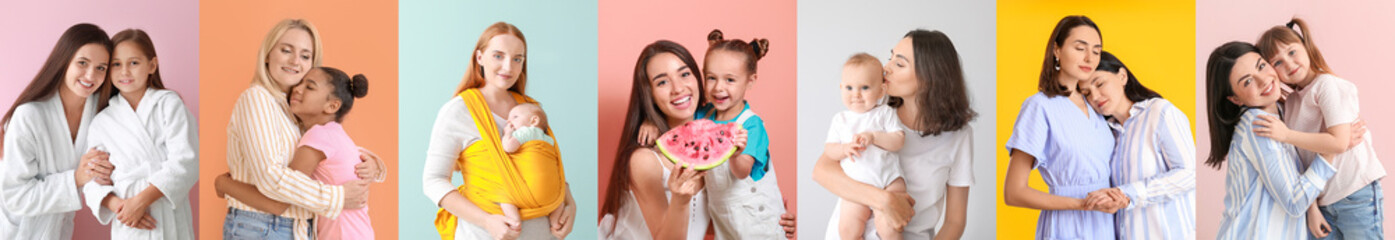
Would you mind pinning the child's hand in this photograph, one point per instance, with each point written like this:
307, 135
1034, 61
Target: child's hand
864, 139
222, 178
1271, 127
739, 139
372, 166
648, 133
852, 150
508, 129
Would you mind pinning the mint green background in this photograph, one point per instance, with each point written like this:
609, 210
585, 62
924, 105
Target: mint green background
436, 39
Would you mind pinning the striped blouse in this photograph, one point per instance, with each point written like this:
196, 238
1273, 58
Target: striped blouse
261, 138
1266, 195
1155, 165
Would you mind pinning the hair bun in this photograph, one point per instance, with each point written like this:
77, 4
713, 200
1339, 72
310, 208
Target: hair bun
714, 37
760, 46
359, 86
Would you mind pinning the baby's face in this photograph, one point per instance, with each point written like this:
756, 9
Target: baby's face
523, 116
862, 87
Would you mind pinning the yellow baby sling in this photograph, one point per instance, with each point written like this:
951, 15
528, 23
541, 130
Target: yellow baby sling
531, 178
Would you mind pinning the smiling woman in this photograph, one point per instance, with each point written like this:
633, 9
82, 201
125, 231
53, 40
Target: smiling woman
43, 168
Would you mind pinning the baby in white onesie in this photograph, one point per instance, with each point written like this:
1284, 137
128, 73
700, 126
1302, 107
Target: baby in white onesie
864, 137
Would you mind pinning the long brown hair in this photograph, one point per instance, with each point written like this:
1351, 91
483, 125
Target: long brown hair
146, 47
49, 80
1223, 114
641, 109
474, 76
1047, 82
1269, 42
942, 97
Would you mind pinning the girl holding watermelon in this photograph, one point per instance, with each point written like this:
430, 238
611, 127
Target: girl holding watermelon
927, 89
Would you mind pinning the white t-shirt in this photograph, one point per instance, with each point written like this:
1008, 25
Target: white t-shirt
930, 162
875, 166
1325, 102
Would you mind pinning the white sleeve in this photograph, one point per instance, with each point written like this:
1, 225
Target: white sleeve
961, 172
180, 170
94, 193
890, 122
454, 129
1338, 101
835, 129
26, 192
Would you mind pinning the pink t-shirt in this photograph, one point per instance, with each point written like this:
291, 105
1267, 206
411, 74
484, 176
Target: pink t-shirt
341, 154
1326, 102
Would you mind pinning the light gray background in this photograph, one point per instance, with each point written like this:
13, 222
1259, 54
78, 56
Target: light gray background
831, 31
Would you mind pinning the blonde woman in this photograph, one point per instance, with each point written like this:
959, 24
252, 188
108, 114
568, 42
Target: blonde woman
267, 199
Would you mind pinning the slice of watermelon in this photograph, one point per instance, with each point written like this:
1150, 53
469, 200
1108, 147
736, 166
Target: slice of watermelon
699, 144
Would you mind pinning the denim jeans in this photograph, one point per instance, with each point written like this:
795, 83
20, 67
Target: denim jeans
1357, 216
248, 225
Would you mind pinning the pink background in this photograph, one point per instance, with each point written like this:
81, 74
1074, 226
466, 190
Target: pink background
1355, 38
32, 27
626, 26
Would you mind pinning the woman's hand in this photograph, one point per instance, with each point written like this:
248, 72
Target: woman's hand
501, 227
895, 211
1358, 133
135, 212
787, 221
94, 167
356, 194
561, 218
1271, 127
685, 182
1317, 225
648, 133
372, 166
1108, 200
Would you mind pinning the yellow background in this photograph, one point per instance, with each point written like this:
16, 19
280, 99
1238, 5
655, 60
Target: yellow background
1155, 39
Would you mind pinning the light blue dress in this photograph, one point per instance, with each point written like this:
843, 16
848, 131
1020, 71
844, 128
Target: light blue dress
1073, 151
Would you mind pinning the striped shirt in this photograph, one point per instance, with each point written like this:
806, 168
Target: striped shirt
1266, 197
1155, 165
261, 138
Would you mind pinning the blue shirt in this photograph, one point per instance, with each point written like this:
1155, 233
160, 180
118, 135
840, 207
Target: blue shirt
757, 141
1155, 165
1266, 195
1072, 150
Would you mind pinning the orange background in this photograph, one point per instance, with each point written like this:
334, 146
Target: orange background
358, 38
626, 26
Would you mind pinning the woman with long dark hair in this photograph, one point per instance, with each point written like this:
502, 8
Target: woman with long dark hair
47, 159
1154, 165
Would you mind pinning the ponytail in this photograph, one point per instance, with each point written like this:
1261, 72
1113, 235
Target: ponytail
1269, 42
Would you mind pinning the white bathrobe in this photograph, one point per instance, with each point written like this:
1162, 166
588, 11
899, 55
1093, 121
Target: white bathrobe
155, 144
36, 175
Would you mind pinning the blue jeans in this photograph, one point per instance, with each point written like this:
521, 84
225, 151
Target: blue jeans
248, 225
1357, 216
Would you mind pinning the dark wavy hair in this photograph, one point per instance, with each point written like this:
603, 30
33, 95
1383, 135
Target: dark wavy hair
1223, 114
943, 98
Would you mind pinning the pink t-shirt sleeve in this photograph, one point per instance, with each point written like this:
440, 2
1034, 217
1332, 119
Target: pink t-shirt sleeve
319, 137
1338, 101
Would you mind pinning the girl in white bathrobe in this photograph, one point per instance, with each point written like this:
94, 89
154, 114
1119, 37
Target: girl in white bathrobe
152, 140
46, 156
